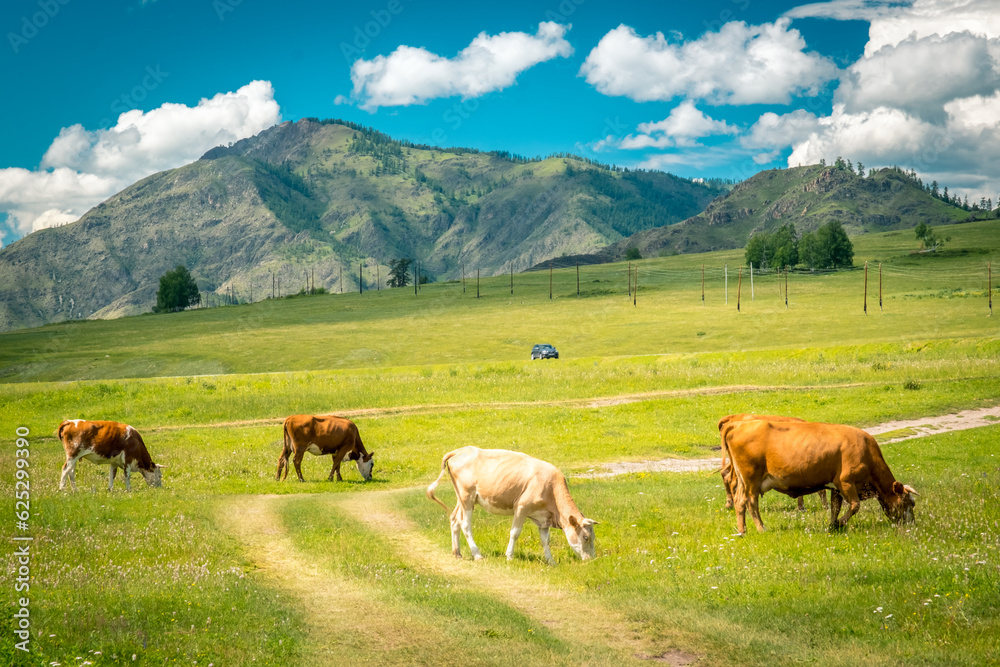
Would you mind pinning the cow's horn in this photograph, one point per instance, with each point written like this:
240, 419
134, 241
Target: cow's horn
911, 489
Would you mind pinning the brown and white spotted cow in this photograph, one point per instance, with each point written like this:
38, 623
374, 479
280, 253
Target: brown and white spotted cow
322, 435
106, 443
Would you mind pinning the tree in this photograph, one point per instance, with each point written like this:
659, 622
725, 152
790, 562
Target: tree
633, 254
773, 250
808, 252
827, 248
786, 246
929, 240
399, 272
835, 249
178, 290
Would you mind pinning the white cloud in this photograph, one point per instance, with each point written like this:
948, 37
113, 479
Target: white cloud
83, 167
848, 10
778, 131
682, 127
739, 64
412, 75
921, 75
934, 17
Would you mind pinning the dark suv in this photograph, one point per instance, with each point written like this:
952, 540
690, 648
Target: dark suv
544, 352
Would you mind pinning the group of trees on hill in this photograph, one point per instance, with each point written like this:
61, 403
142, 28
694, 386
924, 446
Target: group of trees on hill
826, 248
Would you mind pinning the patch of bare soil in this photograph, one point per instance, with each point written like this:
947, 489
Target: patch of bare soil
942, 424
674, 658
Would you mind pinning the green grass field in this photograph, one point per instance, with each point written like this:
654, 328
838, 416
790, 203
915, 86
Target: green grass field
225, 566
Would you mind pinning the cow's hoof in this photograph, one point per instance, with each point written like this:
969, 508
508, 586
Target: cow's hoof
479, 557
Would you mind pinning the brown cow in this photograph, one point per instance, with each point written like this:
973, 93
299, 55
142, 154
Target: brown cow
106, 443
321, 435
505, 482
801, 458
728, 479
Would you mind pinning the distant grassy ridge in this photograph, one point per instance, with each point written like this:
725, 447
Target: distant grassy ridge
446, 323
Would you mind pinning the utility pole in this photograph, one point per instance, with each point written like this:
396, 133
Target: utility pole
361, 278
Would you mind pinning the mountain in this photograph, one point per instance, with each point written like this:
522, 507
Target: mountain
808, 197
322, 197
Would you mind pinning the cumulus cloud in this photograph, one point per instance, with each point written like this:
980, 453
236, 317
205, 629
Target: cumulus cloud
934, 17
739, 64
682, 127
920, 75
83, 167
778, 131
413, 75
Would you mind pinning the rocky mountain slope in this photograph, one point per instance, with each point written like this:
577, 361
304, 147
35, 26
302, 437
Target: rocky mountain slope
323, 197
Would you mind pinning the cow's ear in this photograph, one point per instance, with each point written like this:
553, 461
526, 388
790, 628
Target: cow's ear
353, 456
573, 521
898, 488
368, 458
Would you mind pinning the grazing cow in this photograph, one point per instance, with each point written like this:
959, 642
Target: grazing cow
322, 435
801, 458
106, 443
728, 479
508, 483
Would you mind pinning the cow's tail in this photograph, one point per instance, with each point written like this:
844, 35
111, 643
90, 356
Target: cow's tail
434, 484
286, 451
738, 483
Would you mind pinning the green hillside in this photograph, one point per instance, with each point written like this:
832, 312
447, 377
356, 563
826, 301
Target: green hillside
324, 197
808, 197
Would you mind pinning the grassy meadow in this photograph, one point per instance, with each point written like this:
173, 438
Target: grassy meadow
226, 566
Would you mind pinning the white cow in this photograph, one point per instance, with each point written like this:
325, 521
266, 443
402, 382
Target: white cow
505, 482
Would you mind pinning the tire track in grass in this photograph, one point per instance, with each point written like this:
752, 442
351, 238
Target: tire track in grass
337, 610
600, 634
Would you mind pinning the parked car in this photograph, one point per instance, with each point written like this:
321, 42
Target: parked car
544, 351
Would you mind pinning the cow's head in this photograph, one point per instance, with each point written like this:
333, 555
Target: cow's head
580, 535
365, 464
153, 477
900, 509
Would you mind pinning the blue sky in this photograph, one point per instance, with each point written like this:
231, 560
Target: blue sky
718, 88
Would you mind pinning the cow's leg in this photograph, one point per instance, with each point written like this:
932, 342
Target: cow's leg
801, 504
741, 508
468, 504
282, 465
68, 473
335, 470
111, 476
128, 483
727, 481
456, 529
297, 460
850, 493
520, 514
754, 502
543, 535
822, 499
835, 501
